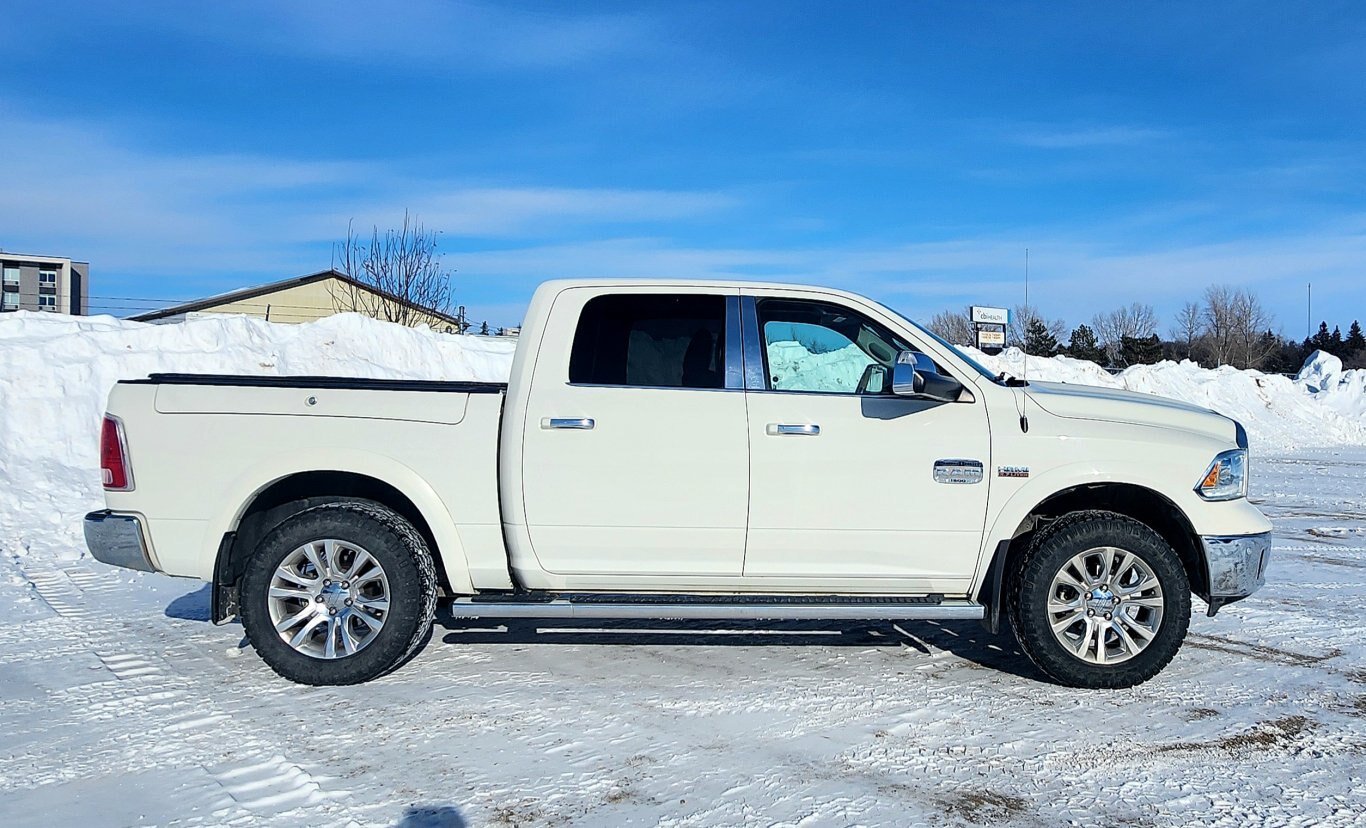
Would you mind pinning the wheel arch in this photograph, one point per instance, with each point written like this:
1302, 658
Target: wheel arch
288, 493
1141, 503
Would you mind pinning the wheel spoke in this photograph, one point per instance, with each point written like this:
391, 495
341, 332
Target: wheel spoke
348, 642
1141, 629
307, 630
358, 563
1155, 603
1130, 645
285, 572
1069, 620
1066, 577
330, 648
290, 621
283, 592
310, 551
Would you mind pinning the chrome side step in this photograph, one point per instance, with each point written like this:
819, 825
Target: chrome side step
857, 609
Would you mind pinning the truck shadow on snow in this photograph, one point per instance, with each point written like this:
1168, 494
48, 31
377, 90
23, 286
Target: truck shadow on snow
916, 639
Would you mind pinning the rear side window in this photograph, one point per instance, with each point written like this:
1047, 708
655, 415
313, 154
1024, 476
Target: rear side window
657, 340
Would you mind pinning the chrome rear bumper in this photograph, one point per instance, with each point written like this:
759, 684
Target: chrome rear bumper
117, 540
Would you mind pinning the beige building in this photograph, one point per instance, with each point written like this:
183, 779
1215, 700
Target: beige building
305, 299
44, 283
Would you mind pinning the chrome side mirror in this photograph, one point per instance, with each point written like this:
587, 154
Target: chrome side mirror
914, 375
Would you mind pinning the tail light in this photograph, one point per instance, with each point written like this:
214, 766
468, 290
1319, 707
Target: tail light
118, 475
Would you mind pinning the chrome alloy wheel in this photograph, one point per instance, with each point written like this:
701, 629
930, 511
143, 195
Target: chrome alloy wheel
1105, 605
328, 599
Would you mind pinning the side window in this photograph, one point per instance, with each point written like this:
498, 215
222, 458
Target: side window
651, 339
821, 347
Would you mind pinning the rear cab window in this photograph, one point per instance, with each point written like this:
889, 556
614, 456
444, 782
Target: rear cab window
651, 340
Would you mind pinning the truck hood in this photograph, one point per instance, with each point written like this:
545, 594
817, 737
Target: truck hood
1090, 402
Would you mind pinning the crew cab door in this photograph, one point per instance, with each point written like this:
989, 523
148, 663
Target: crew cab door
635, 447
843, 483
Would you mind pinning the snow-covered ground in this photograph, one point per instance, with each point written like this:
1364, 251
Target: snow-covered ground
121, 705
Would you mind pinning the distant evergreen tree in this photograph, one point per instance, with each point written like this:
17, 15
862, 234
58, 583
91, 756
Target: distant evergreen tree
1140, 350
1355, 342
1039, 340
1321, 341
1335, 343
1083, 345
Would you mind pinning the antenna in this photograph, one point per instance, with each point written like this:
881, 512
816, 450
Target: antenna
1024, 348
1309, 313
1024, 343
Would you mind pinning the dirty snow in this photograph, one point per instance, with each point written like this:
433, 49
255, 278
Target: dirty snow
121, 705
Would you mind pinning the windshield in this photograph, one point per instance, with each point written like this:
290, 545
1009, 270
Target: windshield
976, 366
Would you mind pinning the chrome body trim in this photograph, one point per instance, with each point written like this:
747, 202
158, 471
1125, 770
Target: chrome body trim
117, 540
810, 430
1237, 563
958, 471
579, 423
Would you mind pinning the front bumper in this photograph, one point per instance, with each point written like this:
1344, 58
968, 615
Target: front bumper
1236, 564
117, 540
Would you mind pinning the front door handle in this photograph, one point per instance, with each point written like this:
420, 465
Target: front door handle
581, 423
784, 428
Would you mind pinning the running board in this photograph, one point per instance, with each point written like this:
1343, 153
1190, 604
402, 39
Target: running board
717, 607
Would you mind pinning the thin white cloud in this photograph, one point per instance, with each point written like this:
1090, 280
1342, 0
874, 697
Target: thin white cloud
1086, 137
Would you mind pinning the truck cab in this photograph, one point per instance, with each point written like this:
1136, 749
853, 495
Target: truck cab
689, 450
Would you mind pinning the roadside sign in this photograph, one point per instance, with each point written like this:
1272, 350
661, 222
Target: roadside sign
991, 316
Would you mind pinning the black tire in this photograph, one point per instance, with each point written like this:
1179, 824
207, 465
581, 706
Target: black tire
407, 564
1051, 549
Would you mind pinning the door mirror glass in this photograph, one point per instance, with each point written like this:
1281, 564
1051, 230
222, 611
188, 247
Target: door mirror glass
914, 375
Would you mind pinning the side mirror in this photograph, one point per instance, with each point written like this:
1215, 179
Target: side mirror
914, 375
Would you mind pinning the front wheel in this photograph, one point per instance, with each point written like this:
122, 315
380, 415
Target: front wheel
339, 594
1100, 600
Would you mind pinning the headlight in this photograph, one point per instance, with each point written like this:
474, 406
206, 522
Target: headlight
1226, 477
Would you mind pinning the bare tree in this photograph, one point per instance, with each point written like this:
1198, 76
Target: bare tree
1235, 323
1188, 328
402, 270
1017, 332
1137, 321
955, 327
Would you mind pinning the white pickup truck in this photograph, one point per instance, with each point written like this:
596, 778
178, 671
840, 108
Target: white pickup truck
686, 451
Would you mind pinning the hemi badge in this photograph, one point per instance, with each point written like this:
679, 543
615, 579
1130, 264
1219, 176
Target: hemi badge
1012, 471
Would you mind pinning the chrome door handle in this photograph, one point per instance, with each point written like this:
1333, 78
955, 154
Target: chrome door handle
781, 428
581, 423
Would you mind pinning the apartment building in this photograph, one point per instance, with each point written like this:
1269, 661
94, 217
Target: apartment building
44, 283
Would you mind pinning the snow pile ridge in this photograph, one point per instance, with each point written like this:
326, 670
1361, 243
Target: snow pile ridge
56, 373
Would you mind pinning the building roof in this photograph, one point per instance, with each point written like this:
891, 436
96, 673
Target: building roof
261, 290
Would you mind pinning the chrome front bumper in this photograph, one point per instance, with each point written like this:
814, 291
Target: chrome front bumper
117, 540
1237, 565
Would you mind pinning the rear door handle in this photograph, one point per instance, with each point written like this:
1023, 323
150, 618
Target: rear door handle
784, 428
581, 423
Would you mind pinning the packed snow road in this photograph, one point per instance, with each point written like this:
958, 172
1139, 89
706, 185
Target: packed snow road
121, 705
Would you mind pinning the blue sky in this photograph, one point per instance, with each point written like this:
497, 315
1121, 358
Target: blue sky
909, 150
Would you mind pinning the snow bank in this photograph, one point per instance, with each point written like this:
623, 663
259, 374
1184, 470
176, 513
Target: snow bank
56, 372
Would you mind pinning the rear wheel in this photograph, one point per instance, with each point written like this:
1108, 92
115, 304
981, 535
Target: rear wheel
339, 594
1100, 601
